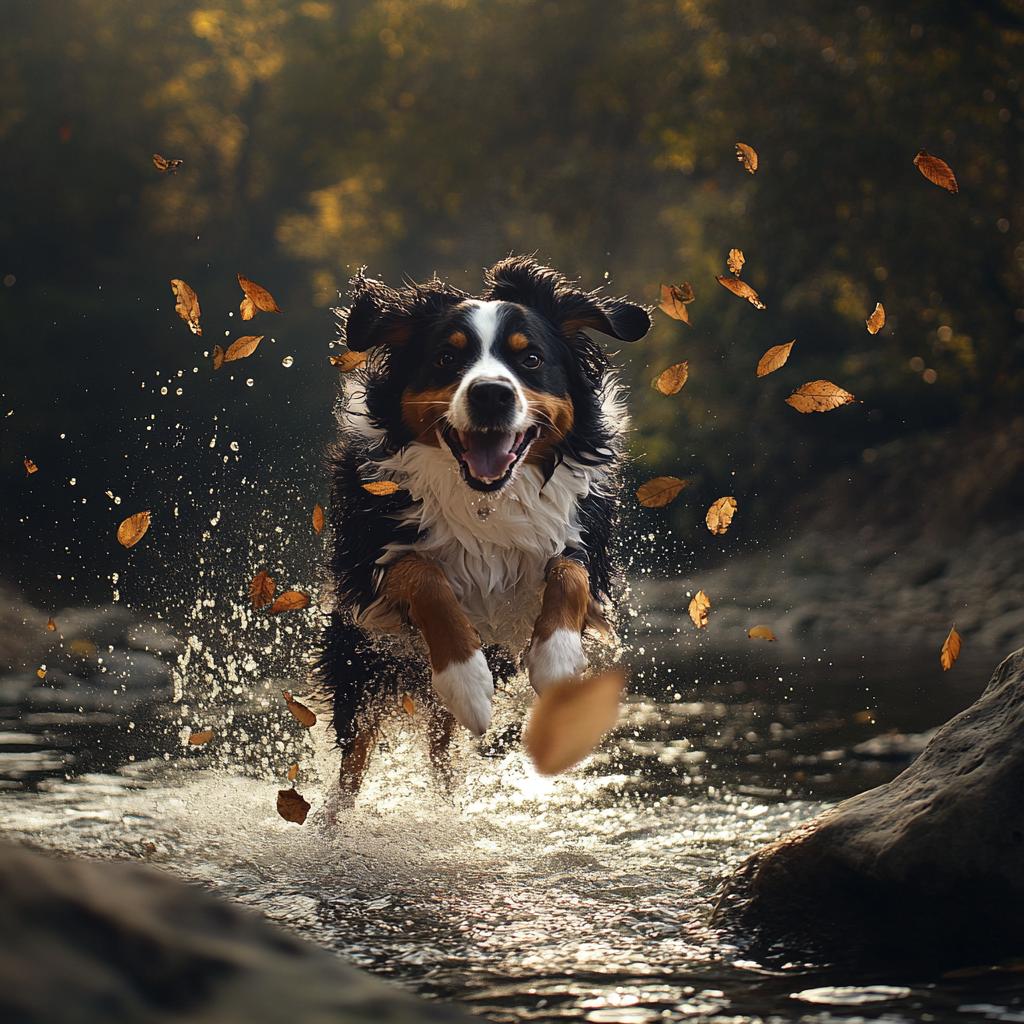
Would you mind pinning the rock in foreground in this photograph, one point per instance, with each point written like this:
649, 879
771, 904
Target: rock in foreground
85, 942
929, 867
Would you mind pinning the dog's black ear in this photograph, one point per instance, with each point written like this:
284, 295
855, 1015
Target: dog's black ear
521, 279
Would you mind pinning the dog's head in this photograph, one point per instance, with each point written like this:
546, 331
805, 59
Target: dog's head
497, 378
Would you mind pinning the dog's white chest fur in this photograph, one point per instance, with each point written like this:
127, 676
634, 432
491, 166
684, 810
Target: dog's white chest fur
492, 547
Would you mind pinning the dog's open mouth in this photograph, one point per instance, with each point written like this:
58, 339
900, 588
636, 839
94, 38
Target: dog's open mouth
488, 457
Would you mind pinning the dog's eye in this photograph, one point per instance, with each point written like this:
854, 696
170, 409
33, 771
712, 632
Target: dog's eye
532, 361
445, 359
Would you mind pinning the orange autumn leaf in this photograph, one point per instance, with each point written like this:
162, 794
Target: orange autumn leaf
746, 156
293, 773
720, 515
699, 608
289, 601
318, 518
742, 289
41, 672
242, 347
218, 357
936, 170
197, 739
187, 306
876, 321
51, 625
774, 358
300, 711
291, 806
131, 531
348, 361
950, 649
30, 467
407, 703
381, 487
819, 396
162, 164
735, 261
762, 633
256, 298
657, 493
261, 590
669, 381
569, 719
674, 300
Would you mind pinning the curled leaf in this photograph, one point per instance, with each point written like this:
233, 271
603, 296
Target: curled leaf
290, 601
762, 633
348, 361
291, 806
261, 590
720, 515
300, 711
381, 487
876, 321
569, 719
407, 703
746, 156
242, 347
293, 773
41, 672
131, 531
735, 261
657, 493
936, 170
162, 164
774, 358
699, 608
187, 306
318, 518
30, 467
51, 625
742, 289
669, 381
218, 357
674, 300
256, 298
819, 396
950, 649
197, 739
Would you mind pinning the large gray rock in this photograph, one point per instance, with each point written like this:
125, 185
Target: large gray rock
929, 866
85, 942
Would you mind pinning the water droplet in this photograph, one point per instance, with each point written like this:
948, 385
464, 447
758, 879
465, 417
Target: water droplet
249, 382
163, 391
178, 392
73, 481
287, 361
234, 446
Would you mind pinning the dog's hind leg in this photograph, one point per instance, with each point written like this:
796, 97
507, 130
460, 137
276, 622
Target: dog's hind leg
556, 650
440, 730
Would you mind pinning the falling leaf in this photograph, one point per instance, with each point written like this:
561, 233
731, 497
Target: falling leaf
256, 298
41, 672
762, 633
318, 518
241, 347
735, 261
876, 321
30, 467
408, 705
293, 773
261, 590
657, 493
218, 357
699, 607
51, 625
569, 719
290, 601
720, 515
163, 164
291, 806
187, 306
950, 649
819, 396
381, 487
300, 711
132, 530
936, 170
774, 358
742, 289
674, 300
348, 361
669, 381
746, 156
197, 739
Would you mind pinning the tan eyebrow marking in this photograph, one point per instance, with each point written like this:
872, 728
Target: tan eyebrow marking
517, 342
458, 340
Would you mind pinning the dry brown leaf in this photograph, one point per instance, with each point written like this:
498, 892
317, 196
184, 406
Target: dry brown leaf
950, 649
735, 261
256, 298
318, 518
876, 321
187, 306
30, 467
819, 396
774, 358
742, 289
161, 163
41, 672
197, 739
218, 357
289, 601
242, 347
569, 719
348, 361
762, 633
699, 608
293, 773
936, 170
51, 625
669, 381
408, 704
132, 530
746, 156
674, 300
720, 515
261, 590
300, 711
657, 493
291, 806
381, 487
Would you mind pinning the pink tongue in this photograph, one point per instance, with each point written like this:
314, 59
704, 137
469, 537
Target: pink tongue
487, 454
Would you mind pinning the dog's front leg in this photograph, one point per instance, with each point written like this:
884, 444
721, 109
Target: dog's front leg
556, 650
460, 673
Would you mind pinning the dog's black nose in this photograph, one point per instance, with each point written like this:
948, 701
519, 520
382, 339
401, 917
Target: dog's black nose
491, 399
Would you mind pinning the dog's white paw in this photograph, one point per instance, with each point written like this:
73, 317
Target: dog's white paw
466, 689
559, 657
